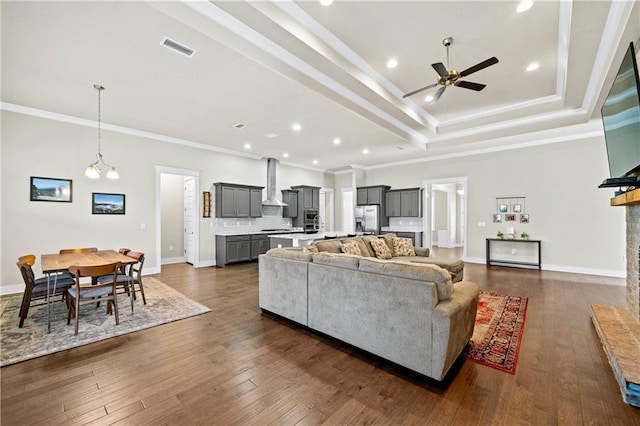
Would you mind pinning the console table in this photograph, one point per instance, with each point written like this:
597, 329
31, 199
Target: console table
491, 261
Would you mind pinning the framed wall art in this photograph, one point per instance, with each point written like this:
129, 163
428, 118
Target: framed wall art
51, 189
510, 217
524, 218
497, 218
102, 203
504, 208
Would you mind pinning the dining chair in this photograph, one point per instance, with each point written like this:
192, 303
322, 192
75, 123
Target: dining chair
131, 278
79, 294
36, 288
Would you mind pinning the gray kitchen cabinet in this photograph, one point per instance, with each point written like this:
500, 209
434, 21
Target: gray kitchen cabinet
255, 203
259, 245
290, 197
371, 195
232, 248
308, 196
403, 203
233, 200
392, 203
410, 203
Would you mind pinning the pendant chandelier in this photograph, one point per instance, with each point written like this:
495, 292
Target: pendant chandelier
93, 170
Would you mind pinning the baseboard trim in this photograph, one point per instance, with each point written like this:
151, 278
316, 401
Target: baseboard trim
568, 269
169, 260
205, 263
11, 289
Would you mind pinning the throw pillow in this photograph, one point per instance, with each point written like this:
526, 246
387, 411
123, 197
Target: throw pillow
388, 238
310, 249
381, 248
351, 248
403, 247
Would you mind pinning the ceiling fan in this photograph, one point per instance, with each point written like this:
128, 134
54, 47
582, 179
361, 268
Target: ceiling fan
447, 77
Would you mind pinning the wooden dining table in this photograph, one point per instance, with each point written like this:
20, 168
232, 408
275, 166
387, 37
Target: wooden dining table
56, 262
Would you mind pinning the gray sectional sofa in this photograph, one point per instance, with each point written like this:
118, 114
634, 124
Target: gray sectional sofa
409, 313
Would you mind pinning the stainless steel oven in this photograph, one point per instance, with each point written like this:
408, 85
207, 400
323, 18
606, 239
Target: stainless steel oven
310, 219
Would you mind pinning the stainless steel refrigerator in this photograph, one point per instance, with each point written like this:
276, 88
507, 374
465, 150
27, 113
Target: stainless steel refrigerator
368, 219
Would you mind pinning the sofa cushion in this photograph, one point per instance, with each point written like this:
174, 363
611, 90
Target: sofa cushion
347, 261
388, 238
423, 272
450, 264
351, 248
403, 247
365, 249
284, 253
329, 246
381, 249
366, 239
310, 249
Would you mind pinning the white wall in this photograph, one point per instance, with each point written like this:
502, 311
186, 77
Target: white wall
172, 222
579, 230
34, 146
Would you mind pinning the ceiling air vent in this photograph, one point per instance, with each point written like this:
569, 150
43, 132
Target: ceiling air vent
177, 47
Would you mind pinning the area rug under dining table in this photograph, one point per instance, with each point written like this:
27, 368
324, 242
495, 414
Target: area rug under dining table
164, 305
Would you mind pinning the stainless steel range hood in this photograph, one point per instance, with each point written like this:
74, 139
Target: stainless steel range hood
271, 185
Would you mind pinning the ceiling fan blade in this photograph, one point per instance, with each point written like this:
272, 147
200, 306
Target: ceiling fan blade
419, 90
441, 69
470, 85
480, 66
437, 95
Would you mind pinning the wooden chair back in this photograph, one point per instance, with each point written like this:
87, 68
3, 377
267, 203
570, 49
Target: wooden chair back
28, 258
78, 271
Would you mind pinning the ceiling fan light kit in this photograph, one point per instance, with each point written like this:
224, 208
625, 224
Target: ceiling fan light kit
449, 77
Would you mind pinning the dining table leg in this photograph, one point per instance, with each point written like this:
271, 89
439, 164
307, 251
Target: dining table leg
55, 283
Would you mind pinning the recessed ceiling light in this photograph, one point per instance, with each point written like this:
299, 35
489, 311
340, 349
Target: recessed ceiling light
326, 2
315, 161
337, 141
365, 151
239, 125
296, 126
428, 98
247, 146
285, 155
533, 66
271, 135
392, 63
524, 5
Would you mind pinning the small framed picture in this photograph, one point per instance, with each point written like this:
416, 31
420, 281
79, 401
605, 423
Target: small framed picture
504, 208
102, 203
510, 217
497, 218
517, 208
50, 189
524, 218
206, 204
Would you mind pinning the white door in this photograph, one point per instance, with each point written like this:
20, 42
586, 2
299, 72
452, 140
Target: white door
189, 219
326, 209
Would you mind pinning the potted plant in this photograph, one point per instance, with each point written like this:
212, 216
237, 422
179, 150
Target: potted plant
500, 234
524, 236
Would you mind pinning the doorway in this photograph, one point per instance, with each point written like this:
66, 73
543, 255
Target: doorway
183, 243
445, 218
326, 210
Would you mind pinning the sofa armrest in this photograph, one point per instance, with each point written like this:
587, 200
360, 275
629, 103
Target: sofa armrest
422, 251
452, 326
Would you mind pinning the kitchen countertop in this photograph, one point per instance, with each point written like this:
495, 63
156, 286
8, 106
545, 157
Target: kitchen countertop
231, 233
316, 236
384, 229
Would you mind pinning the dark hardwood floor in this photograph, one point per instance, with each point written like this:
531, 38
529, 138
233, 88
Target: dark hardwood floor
235, 365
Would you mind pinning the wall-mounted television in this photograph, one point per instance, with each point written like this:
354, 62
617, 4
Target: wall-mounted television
621, 121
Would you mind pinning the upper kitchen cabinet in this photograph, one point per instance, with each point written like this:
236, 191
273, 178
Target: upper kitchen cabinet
238, 200
308, 196
368, 195
403, 203
290, 197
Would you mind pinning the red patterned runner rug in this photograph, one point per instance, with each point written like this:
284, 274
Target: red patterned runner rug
498, 331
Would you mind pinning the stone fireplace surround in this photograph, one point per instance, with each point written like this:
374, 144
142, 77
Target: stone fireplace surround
619, 327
